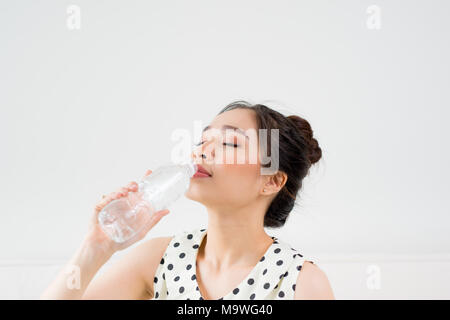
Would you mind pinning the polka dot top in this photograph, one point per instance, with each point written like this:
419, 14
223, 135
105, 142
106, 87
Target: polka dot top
273, 277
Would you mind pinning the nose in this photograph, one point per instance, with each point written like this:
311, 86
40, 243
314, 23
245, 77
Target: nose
204, 153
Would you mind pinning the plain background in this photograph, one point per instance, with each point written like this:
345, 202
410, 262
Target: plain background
83, 112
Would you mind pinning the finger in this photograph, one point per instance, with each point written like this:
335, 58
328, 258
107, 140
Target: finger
156, 217
153, 221
147, 173
132, 186
105, 200
122, 191
115, 195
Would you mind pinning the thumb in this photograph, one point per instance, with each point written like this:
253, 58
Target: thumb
154, 219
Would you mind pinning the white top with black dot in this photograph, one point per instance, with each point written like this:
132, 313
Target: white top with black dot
274, 276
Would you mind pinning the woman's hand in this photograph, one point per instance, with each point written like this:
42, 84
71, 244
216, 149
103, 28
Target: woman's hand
98, 239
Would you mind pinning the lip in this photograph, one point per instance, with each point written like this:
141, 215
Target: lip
201, 175
201, 172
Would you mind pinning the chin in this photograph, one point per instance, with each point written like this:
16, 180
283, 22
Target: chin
195, 194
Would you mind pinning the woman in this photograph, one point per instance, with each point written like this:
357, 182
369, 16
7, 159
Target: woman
233, 258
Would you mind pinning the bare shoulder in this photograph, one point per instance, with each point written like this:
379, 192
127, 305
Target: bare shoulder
150, 254
312, 284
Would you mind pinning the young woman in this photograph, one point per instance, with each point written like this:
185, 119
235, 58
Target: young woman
233, 257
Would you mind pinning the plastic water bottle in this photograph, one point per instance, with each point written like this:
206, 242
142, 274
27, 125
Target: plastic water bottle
124, 218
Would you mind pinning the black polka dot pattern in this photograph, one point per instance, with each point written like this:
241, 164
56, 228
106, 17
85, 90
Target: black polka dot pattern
273, 277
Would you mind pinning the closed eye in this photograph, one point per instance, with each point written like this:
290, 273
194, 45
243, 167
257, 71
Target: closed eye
231, 144
225, 144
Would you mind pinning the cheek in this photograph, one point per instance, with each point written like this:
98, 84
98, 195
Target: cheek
239, 177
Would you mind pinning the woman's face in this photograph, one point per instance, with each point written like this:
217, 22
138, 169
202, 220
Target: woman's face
231, 158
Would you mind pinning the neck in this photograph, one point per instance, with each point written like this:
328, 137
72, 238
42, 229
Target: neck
235, 237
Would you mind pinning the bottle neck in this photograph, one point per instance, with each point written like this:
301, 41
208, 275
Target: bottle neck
191, 168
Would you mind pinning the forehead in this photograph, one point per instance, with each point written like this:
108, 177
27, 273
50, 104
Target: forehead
241, 118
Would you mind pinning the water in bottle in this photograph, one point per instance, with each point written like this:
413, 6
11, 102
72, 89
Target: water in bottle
124, 218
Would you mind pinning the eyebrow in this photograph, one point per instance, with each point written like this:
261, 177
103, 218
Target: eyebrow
227, 126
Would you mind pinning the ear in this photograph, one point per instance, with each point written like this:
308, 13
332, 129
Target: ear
274, 183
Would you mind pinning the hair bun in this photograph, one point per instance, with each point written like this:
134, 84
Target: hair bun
315, 152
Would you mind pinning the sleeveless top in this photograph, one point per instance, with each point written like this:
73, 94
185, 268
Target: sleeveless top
273, 277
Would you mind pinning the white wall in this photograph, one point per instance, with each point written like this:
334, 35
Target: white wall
83, 112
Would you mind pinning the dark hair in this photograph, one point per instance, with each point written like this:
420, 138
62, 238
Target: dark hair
298, 150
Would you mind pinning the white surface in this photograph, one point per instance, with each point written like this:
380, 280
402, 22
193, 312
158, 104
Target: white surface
400, 277
84, 112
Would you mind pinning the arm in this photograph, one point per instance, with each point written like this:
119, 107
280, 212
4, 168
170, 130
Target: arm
312, 284
132, 276
124, 280
73, 279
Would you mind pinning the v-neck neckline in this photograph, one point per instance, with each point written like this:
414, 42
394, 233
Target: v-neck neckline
202, 237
